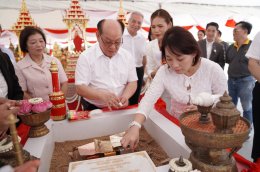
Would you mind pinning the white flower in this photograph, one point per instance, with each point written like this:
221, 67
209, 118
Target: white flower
203, 99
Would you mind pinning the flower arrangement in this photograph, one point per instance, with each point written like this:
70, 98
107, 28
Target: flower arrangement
34, 113
33, 106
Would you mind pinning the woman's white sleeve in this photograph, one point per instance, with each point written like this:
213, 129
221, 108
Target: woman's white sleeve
153, 93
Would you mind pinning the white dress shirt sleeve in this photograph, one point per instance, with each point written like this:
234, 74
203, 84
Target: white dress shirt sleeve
149, 57
254, 50
153, 56
153, 93
83, 71
132, 75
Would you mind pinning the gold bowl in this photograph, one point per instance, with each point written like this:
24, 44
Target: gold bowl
36, 122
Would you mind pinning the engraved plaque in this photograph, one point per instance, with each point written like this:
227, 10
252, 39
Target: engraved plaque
132, 162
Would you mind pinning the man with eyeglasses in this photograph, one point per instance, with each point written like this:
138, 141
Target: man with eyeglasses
135, 43
105, 73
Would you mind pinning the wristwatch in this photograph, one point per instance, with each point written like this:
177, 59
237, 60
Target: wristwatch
134, 123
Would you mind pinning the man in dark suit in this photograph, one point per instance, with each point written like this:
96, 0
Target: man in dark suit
9, 85
210, 49
14, 91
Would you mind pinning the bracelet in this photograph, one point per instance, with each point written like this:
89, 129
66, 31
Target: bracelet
134, 123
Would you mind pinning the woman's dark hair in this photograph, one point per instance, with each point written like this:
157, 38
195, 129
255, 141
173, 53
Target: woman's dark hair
180, 41
26, 33
163, 14
150, 34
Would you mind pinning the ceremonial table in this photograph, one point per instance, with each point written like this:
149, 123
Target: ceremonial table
160, 125
165, 133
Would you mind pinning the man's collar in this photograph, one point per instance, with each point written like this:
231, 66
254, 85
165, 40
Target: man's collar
209, 42
245, 43
127, 33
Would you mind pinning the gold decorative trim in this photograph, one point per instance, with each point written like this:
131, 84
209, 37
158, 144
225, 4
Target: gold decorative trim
60, 93
71, 69
57, 98
71, 77
58, 106
54, 67
58, 118
110, 153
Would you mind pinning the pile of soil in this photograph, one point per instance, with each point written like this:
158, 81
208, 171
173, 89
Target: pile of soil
62, 154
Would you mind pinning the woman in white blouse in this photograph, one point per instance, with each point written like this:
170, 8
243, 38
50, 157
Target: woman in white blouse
161, 21
184, 75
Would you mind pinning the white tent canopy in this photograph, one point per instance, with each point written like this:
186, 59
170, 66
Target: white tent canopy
49, 13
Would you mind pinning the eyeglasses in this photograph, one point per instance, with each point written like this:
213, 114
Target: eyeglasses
110, 43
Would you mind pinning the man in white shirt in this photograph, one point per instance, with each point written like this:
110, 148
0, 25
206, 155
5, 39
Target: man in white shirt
135, 43
105, 73
253, 54
211, 49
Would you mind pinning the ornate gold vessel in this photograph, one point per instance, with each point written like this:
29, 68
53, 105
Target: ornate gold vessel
225, 115
57, 98
36, 122
209, 141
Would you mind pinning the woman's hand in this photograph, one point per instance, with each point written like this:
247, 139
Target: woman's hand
131, 137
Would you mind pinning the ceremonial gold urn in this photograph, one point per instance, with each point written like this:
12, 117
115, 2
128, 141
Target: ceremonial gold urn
57, 98
209, 141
